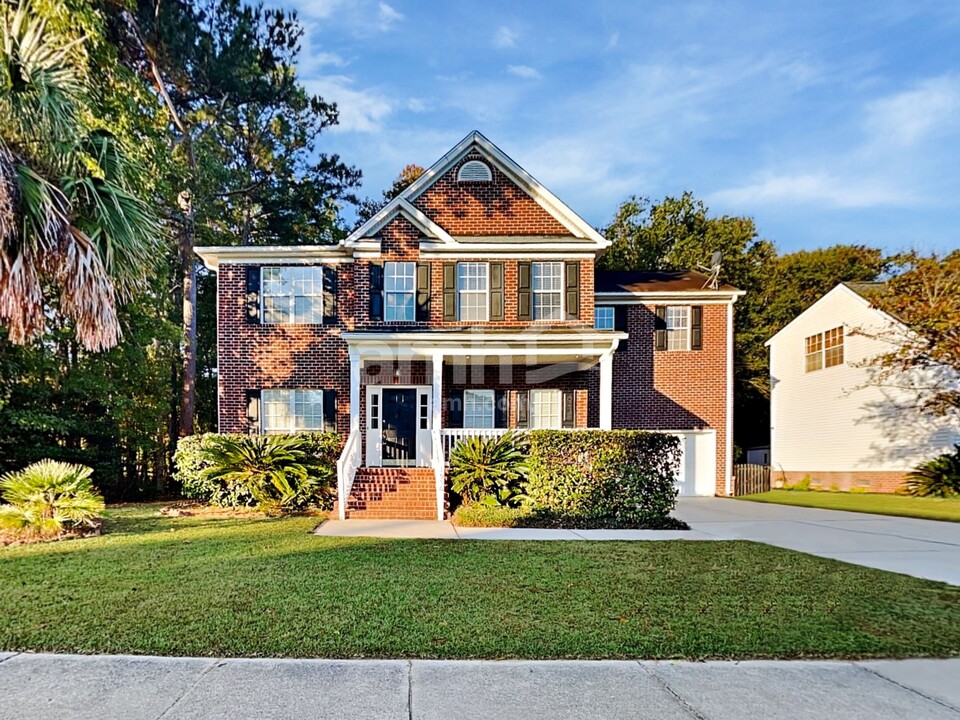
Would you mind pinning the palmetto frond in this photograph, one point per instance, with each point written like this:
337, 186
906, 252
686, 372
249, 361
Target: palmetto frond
48, 497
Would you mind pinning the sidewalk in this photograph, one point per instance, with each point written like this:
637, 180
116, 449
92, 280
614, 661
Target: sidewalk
151, 688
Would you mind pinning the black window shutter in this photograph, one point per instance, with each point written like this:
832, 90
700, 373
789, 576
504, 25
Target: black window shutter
524, 291
252, 297
329, 410
696, 327
376, 292
523, 408
329, 295
572, 274
455, 408
423, 292
569, 409
496, 292
253, 412
449, 292
501, 409
660, 328
620, 323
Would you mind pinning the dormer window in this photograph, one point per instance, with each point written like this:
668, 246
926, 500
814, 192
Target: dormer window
474, 171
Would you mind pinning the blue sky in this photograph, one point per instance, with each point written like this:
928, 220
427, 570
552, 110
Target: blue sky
826, 122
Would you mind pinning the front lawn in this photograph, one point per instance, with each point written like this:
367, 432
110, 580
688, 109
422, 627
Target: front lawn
266, 587
879, 503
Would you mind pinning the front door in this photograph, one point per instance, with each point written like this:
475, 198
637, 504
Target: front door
399, 441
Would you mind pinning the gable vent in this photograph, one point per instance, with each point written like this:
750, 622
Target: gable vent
474, 171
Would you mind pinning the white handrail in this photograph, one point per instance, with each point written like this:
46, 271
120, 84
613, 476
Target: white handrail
439, 469
347, 466
450, 437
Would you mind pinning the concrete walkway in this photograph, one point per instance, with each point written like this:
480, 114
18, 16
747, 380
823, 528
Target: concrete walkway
151, 688
922, 548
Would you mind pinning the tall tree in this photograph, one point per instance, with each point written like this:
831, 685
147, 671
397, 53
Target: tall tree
75, 238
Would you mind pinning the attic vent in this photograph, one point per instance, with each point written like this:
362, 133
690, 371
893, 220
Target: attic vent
474, 171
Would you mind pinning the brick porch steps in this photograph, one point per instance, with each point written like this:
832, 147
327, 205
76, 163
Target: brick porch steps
393, 494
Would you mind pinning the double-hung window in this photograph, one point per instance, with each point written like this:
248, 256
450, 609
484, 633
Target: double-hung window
287, 411
677, 319
604, 317
400, 287
545, 410
292, 294
473, 285
547, 290
478, 408
824, 350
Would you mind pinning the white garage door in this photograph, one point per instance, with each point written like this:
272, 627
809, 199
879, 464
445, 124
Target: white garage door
698, 466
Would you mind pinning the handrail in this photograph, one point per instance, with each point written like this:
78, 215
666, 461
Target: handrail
347, 466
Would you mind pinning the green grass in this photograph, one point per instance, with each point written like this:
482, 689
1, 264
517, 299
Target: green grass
879, 503
266, 587
478, 515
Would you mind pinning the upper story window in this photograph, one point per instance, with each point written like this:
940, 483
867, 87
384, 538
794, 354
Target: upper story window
478, 408
677, 320
547, 290
604, 317
474, 171
287, 411
824, 349
472, 287
292, 294
400, 287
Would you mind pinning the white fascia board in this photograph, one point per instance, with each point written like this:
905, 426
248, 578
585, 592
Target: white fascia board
841, 288
212, 256
398, 206
705, 297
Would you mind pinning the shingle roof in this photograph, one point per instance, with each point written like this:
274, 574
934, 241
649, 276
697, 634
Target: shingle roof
654, 281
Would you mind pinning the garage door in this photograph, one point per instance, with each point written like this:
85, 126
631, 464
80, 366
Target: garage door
698, 465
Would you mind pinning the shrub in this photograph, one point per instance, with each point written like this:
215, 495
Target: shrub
939, 477
49, 498
195, 456
620, 477
478, 515
489, 470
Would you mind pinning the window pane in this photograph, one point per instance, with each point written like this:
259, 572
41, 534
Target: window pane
478, 408
399, 307
603, 317
547, 290
833, 347
276, 410
545, 409
678, 327
814, 352
292, 410
292, 294
399, 284
472, 291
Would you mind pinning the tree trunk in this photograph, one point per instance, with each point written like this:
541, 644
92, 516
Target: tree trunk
188, 271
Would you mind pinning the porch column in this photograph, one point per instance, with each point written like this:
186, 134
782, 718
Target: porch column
354, 390
606, 391
436, 361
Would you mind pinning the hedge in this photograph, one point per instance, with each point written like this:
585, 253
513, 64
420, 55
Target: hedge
621, 477
189, 465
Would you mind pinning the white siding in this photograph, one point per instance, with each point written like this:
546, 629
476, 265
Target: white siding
831, 419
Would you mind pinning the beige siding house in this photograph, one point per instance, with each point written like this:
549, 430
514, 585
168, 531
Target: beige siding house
829, 422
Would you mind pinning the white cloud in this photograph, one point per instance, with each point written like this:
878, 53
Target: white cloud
416, 105
319, 9
325, 59
524, 71
504, 37
361, 111
613, 40
387, 16
912, 116
822, 188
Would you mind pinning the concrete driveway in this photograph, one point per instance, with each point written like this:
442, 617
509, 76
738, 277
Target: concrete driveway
923, 548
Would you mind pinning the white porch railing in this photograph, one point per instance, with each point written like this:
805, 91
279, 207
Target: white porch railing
350, 459
451, 436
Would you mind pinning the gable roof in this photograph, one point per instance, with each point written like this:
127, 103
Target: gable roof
402, 206
651, 281
476, 142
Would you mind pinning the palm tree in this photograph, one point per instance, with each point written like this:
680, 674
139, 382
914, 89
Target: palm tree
74, 238
49, 497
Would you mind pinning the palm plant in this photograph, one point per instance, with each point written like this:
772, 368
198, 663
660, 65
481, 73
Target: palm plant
278, 471
48, 498
939, 477
489, 470
69, 219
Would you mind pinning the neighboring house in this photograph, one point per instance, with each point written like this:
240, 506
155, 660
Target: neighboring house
829, 422
467, 306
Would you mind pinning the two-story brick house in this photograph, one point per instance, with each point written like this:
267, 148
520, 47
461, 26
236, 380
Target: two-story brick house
467, 306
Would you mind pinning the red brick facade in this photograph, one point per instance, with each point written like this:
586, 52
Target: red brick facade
663, 390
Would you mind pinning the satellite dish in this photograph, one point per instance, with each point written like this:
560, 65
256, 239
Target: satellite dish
713, 272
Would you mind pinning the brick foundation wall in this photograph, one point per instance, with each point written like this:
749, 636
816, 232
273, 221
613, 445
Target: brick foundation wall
869, 481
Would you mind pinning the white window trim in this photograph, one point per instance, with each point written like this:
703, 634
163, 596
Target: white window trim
613, 316
293, 296
561, 292
534, 425
493, 404
412, 293
688, 330
292, 402
485, 293
822, 352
